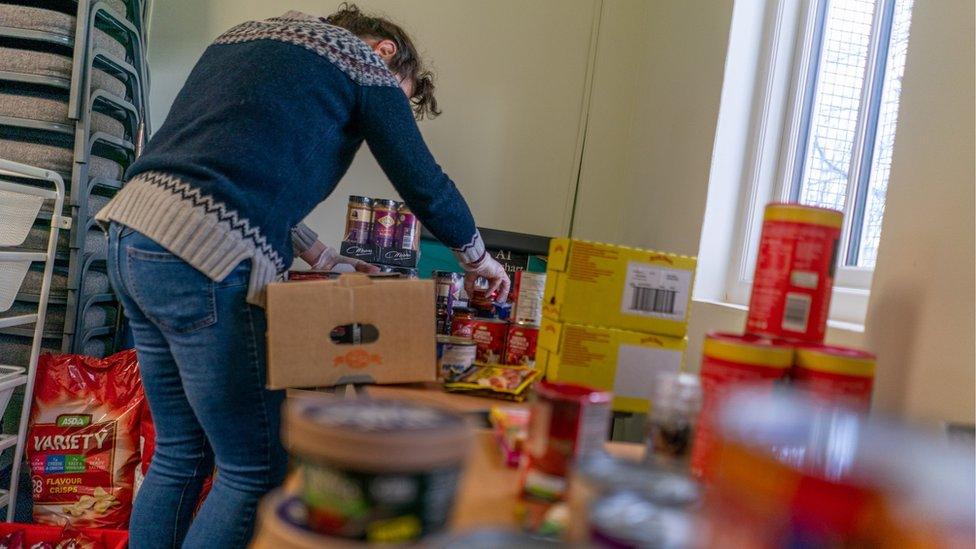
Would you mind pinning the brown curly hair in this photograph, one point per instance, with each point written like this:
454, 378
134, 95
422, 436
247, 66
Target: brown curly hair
405, 63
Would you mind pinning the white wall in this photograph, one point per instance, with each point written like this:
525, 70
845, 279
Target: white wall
920, 318
511, 82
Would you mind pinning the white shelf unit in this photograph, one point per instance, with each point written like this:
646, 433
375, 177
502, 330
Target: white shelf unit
18, 212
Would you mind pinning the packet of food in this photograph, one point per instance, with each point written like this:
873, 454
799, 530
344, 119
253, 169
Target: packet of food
498, 381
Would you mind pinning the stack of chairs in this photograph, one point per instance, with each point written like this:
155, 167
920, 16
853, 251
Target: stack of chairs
73, 101
73, 90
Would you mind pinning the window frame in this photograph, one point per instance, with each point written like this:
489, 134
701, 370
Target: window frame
793, 35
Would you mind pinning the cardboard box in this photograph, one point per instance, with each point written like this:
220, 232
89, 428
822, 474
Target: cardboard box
620, 361
619, 287
302, 315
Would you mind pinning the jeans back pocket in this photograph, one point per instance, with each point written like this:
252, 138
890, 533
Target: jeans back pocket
169, 291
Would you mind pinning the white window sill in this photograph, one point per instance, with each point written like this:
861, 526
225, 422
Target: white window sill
852, 327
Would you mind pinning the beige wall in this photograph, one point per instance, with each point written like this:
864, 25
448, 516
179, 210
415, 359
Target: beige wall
511, 82
920, 318
514, 83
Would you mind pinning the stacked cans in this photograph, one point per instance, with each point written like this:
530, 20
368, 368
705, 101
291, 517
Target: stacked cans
381, 222
786, 324
503, 333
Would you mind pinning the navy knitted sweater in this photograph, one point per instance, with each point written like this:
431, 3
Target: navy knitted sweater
266, 125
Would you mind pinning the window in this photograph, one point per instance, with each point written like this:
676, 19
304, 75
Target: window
826, 128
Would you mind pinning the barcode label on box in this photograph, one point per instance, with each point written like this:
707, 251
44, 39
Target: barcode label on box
656, 292
796, 313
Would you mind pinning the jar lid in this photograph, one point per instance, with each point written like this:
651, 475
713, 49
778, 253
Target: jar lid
571, 392
457, 340
747, 349
385, 202
360, 199
375, 435
799, 213
835, 360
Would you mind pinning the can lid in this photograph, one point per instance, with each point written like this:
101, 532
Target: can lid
572, 392
835, 360
283, 522
375, 435
360, 199
747, 349
799, 213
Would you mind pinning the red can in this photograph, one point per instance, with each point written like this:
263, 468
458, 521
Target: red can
567, 421
730, 362
462, 325
794, 272
489, 336
835, 374
521, 343
481, 301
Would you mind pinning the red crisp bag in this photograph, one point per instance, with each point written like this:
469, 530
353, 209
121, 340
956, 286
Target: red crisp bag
83, 442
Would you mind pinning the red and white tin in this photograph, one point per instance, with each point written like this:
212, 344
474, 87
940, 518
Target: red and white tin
489, 335
521, 344
794, 272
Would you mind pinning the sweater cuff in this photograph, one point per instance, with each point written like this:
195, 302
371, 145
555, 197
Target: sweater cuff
472, 253
303, 238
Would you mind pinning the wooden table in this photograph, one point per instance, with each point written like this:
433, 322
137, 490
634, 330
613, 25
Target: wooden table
488, 488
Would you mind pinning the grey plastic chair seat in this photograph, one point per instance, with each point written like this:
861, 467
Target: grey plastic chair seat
15, 350
44, 20
96, 316
94, 282
50, 109
59, 159
41, 63
95, 241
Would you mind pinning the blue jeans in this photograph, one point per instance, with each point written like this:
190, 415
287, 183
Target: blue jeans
201, 350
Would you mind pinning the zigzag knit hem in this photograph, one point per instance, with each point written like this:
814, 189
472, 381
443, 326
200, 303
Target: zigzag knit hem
195, 228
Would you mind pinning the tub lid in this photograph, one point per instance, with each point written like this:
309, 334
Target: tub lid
380, 435
835, 360
282, 520
748, 349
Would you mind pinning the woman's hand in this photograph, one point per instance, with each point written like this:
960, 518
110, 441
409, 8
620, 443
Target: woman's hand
324, 258
493, 271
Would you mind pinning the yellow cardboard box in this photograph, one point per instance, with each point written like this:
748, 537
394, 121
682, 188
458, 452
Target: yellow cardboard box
620, 361
620, 287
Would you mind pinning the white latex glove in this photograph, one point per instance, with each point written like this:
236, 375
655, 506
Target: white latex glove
324, 258
493, 271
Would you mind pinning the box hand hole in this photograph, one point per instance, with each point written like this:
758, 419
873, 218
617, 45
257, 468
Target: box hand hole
354, 334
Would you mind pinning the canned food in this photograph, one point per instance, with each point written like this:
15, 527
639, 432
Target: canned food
446, 285
408, 229
462, 325
457, 358
600, 475
376, 471
521, 343
627, 519
794, 275
729, 362
481, 300
835, 374
567, 422
384, 223
359, 219
528, 291
489, 335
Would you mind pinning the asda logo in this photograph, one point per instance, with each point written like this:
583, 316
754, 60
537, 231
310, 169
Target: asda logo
74, 420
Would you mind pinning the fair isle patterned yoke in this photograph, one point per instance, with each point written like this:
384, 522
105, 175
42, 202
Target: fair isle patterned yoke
343, 49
